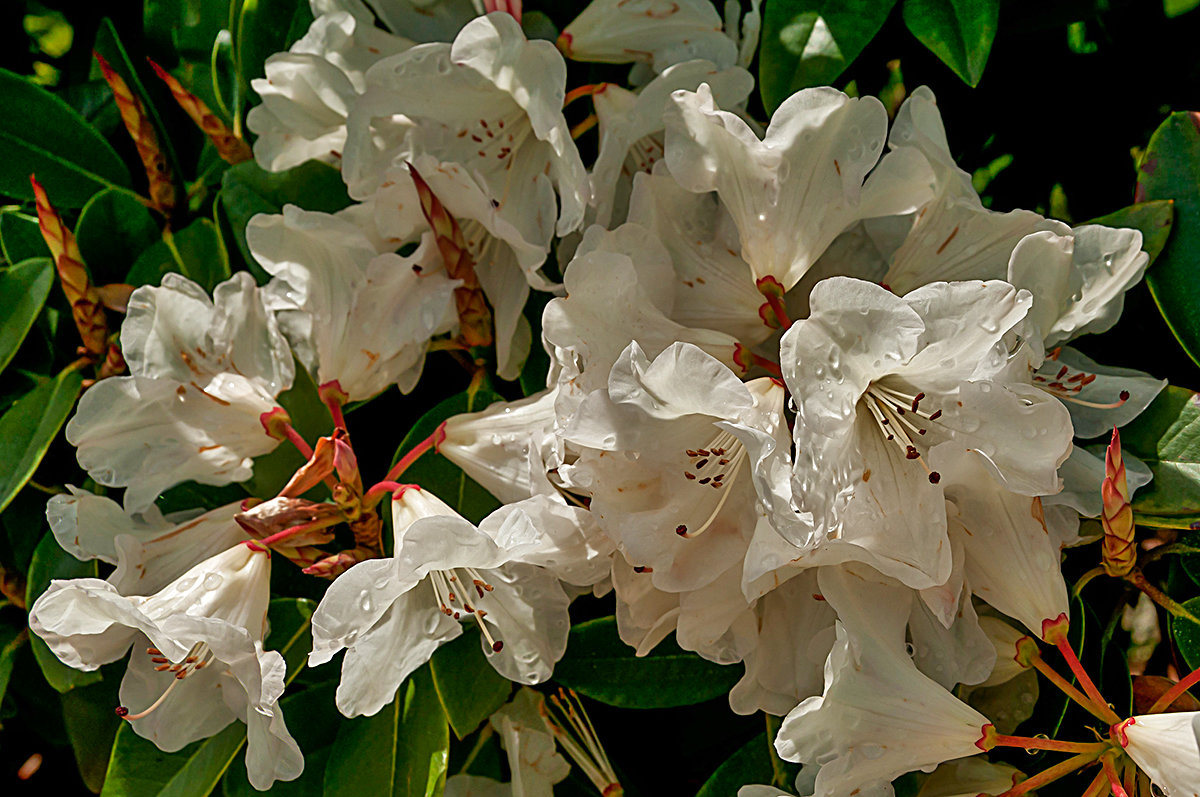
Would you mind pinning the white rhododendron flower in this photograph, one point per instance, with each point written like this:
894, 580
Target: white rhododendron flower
309, 90
1165, 747
149, 550
661, 32
353, 313
791, 192
202, 372
205, 665
392, 614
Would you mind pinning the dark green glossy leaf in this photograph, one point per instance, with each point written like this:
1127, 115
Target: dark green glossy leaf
1170, 169
959, 32
12, 637
1166, 436
810, 42
139, 769
113, 229
109, 46
40, 134
437, 474
20, 237
599, 665
1187, 634
51, 562
754, 762
28, 428
92, 727
247, 190
310, 418
407, 744
1153, 219
468, 686
23, 290
195, 252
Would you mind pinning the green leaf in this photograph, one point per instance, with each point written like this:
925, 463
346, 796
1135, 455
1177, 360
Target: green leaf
51, 562
1170, 169
439, 475
28, 428
195, 252
407, 745
42, 135
1166, 436
20, 237
959, 32
1153, 219
810, 42
468, 686
12, 638
1187, 634
23, 290
310, 417
92, 727
754, 762
264, 29
247, 190
599, 665
113, 230
109, 46
139, 769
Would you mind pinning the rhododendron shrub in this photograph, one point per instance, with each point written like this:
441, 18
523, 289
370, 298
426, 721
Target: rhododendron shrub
478, 397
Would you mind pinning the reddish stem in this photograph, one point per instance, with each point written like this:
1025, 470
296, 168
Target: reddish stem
1068, 653
432, 442
1098, 787
1110, 772
1070, 691
1034, 743
1052, 774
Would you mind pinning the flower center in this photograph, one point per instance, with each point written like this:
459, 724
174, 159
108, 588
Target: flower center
453, 588
901, 420
642, 155
197, 658
717, 465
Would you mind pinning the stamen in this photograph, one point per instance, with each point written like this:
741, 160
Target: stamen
195, 659
888, 407
726, 467
571, 726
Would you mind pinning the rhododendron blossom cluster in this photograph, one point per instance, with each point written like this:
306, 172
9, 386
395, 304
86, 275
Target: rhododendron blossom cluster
811, 409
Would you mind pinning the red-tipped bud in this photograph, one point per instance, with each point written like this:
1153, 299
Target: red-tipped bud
1118, 549
141, 130
231, 148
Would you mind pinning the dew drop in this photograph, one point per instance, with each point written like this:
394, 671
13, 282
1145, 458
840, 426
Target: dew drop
213, 580
186, 584
364, 601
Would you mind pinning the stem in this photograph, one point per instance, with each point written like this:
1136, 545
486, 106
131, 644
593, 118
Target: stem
1052, 774
584, 126
1174, 693
1085, 579
431, 442
779, 309
1099, 787
1155, 554
1034, 743
1164, 600
484, 735
1068, 653
1070, 691
1110, 772
374, 495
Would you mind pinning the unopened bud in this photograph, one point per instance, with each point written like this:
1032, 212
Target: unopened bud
1119, 553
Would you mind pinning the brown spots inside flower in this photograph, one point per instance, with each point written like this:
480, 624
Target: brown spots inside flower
946, 242
837, 167
181, 391
867, 475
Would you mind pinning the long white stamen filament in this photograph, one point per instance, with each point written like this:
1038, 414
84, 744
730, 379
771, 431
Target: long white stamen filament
729, 454
451, 590
581, 742
891, 409
197, 658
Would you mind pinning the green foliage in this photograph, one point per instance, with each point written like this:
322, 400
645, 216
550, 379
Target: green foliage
407, 744
468, 686
29, 427
754, 762
1170, 169
1167, 438
196, 252
960, 32
600, 666
20, 237
113, 229
1187, 634
811, 42
1153, 219
23, 290
40, 134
